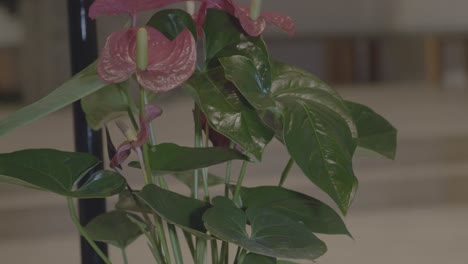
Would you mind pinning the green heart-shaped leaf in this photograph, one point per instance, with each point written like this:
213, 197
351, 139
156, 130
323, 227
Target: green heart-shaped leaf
271, 234
253, 258
58, 171
374, 132
320, 143
106, 105
314, 214
293, 83
114, 228
171, 22
187, 179
177, 209
221, 30
243, 72
168, 157
100, 185
84, 83
130, 202
228, 113
318, 131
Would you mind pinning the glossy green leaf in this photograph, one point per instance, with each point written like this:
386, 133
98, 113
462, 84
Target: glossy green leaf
228, 113
314, 214
320, 143
374, 132
177, 209
187, 179
318, 131
81, 85
105, 105
58, 171
253, 258
255, 49
243, 73
169, 157
221, 30
171, 22
130, 202
294, 83
114, 228
100, 185
271, 234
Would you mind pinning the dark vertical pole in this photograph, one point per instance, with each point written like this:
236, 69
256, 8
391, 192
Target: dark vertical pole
83, 44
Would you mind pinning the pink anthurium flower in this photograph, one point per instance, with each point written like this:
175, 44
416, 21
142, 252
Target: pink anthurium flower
132, 7
170, 63
124, 150
252, 27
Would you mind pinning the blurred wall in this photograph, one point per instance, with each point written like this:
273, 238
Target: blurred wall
45, 63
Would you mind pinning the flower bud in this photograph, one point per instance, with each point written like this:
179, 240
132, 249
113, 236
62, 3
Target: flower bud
255, 9
129, 133
142, 49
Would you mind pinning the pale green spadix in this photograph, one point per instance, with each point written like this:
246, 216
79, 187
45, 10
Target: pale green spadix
190, 6
255, 9
142, 49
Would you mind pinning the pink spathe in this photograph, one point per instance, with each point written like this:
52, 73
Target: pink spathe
252, 27
170, 63
124, 150
132, 7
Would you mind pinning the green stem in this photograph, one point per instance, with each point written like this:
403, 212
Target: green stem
162, 237
239, 184
205, 170
286, 171
224, 253
227, 178
76, 220
175, 244
201, 251
129, 100
241, 256
237, 255
143, 157
153, 236
191, 246
198, 144
214, 251
153, 244
124, 256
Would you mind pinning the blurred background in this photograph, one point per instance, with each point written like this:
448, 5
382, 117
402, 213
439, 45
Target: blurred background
407, 59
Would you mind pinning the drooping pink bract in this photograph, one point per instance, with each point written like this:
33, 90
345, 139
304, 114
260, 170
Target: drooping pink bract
170, 63
132, 7
125, 149
252, 27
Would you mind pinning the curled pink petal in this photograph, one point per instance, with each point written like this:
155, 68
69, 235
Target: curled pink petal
116, 62
252, 27
151, 113
170, 62
115, 7
281, 21
123, 152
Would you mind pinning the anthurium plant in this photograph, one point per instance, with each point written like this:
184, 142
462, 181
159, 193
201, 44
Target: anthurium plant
243, 100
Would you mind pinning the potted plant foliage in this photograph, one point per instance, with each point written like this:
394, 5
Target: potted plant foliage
243, 100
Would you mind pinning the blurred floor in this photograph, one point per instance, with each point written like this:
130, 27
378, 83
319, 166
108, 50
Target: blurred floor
412, 210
